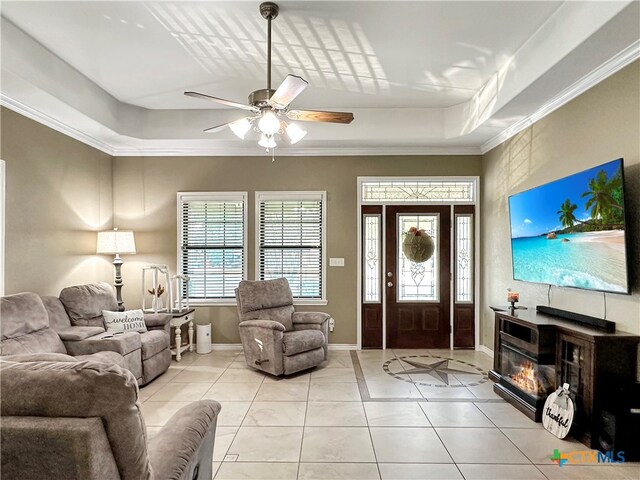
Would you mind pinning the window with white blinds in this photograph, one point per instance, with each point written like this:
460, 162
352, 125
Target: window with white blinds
212, 244
290, 241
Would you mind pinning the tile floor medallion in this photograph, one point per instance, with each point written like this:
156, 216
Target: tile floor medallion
369, 414
436, 376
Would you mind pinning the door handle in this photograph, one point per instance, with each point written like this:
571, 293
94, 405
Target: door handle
389, 284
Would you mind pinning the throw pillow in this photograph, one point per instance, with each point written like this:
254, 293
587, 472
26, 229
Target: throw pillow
129, 321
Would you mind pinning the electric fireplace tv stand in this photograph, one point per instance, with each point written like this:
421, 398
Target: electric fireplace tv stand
535, 352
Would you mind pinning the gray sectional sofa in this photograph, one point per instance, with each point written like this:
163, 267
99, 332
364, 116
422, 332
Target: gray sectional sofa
72, 324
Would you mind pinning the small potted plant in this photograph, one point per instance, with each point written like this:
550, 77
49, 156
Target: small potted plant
156, 303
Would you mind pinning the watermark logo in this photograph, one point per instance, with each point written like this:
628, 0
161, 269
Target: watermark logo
559, 458
578, 457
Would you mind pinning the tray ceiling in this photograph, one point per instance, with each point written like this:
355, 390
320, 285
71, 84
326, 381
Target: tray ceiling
419, 76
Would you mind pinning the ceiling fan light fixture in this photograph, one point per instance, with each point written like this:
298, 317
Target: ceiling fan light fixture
269, 123
295, 133
270, 108
267, 141
240, 127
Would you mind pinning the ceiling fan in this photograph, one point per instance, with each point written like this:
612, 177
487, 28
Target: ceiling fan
270, 108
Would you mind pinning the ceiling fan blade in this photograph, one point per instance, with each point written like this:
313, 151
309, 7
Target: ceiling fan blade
317, 116
228, 103
217, 128
290, 88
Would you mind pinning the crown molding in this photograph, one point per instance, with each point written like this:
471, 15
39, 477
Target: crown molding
149, 148
57, 125
608, 68
293, 152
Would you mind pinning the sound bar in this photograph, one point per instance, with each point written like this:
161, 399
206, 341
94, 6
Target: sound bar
606, 325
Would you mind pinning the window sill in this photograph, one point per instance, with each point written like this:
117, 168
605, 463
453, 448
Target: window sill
212, 303
232, 302
313, 301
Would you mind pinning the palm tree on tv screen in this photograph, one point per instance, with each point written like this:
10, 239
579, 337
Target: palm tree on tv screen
604, 198
567, 218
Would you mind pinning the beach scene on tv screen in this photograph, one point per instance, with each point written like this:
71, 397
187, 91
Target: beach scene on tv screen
571, 232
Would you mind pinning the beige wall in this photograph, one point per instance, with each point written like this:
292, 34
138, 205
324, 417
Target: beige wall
58, 193
145, 200
599, 126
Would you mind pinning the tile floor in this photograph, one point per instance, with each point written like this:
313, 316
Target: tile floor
402, 414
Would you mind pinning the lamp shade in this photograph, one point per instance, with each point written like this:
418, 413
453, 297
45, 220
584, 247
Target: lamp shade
116, 242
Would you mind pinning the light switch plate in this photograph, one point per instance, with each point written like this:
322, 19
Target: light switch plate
336, 262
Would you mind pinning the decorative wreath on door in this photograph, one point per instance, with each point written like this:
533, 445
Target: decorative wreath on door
417, 246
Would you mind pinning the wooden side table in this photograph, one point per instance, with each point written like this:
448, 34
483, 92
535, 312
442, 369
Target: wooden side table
179, 319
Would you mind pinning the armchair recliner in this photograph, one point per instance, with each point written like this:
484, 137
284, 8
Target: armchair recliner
277, 339
82, 420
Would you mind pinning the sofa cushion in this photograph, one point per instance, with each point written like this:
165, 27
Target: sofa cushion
153, 342
128, 321
42, 341
25, 326
301, 341
85, 303
266, 300
38, 357
58, 317
22, 313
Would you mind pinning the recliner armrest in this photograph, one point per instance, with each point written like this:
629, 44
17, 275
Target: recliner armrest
185, 443
123, 344
158, 321
73, 334
317, 318
269, 324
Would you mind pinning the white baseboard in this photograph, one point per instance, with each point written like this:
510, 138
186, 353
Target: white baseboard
226, 346
484, 349
238, 346
343, 346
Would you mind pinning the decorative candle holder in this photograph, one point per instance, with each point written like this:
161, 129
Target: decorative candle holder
182, 286
513, 298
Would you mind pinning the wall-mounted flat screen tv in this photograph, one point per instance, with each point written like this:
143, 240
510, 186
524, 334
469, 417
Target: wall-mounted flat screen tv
571, 232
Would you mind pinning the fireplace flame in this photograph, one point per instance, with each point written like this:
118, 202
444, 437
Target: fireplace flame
527, 379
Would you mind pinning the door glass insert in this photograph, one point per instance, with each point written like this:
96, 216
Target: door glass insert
418, 282
464, 256
418, 191
371, 258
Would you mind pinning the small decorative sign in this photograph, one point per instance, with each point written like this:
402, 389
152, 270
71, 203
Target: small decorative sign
557, 415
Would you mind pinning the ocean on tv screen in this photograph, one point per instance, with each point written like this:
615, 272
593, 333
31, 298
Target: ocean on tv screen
571, 232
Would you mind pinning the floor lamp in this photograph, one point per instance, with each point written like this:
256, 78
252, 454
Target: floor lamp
117, 242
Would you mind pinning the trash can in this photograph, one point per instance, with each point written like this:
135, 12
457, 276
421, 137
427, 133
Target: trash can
203, 340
